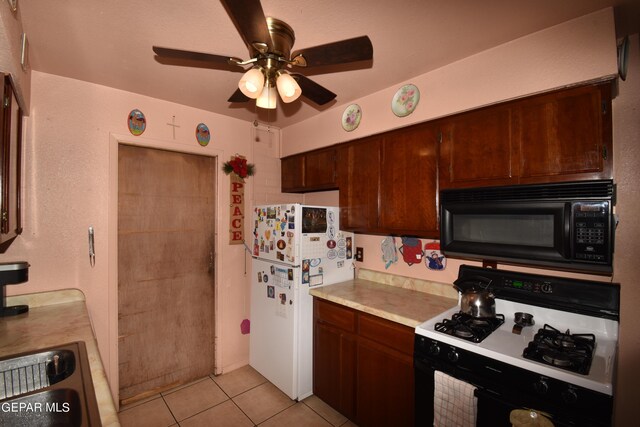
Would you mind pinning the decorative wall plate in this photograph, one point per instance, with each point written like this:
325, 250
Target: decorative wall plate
202, 134
623, 57
136, 122
405, 100
351, 117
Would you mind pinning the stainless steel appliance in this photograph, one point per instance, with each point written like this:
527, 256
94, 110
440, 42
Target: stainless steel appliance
567, 225
560, 363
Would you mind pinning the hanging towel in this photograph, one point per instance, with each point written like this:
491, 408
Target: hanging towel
454, 404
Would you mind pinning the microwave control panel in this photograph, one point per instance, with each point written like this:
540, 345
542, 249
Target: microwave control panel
591, 227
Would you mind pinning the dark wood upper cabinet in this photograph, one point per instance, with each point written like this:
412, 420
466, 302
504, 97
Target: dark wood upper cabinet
310, 171
10, 166
359, 182
409, 182
476, 148
565, 135
292, 173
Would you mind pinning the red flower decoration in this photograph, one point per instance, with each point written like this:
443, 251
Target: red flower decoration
239, 166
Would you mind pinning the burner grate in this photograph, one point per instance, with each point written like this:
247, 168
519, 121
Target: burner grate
470, 328
564, 350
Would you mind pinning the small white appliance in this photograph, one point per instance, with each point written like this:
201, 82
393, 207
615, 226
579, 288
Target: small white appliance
294, 248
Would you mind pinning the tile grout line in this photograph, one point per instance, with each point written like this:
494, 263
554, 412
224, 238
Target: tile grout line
170, 411
234, 402
279, 412
320, 415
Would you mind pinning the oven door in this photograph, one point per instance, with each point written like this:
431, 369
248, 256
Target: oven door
495, 410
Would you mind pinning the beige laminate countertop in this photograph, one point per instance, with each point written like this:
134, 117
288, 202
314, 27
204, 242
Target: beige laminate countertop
55, 318
405, 306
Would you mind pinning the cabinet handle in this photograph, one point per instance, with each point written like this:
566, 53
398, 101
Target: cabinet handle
440, 137
604, 152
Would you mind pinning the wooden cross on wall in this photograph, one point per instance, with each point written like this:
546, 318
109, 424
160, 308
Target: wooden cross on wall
174, 125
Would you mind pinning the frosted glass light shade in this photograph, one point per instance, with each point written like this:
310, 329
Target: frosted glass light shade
267, 98
252, 83
288, 88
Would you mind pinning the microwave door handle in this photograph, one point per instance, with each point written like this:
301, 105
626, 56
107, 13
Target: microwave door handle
568, 240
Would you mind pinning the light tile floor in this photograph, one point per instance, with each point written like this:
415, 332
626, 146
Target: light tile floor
240, 398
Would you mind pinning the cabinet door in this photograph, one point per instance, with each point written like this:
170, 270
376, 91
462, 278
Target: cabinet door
320, 170
10, 166
358, 180
565, 135
408, 185
334, 358
476, 149
292, 173
385, 386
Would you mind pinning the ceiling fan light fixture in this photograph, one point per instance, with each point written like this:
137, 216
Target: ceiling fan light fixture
288, 88
252, 82
267, 98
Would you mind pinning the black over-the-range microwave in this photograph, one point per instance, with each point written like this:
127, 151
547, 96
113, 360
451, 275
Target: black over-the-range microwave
568, 226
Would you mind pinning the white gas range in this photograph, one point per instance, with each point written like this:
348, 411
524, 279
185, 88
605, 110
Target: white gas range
570, 350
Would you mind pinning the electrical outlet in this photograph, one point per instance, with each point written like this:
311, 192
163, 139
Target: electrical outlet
359, 254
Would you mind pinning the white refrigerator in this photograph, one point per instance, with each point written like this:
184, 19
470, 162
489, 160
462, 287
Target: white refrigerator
295, 247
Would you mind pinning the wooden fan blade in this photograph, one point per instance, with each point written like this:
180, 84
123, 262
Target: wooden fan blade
238, 96
188, 55
249, 19
313, 91
341, 52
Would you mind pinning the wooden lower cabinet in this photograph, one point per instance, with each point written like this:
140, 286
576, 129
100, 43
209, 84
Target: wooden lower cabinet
363, 366
334, 366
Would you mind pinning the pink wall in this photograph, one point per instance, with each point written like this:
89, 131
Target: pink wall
626, 154
71, 183
579, 50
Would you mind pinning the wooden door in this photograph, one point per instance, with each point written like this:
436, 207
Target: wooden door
165, 269
385, 393
292, 173
385, 377
565, 135
477, 149
320, 169
409, 183
334, 356
359, 182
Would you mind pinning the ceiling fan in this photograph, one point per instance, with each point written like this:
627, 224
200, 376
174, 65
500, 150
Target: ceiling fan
270, 41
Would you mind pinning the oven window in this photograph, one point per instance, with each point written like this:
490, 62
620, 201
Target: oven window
528, 230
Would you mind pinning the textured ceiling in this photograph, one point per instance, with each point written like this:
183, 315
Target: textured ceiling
108, 42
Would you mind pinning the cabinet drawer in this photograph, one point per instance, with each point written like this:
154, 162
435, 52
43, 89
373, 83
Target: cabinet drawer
334, 314
391, 334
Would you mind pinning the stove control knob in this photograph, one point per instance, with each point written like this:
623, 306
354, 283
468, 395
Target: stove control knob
453, 355
541, 386
570, 396
434, 349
